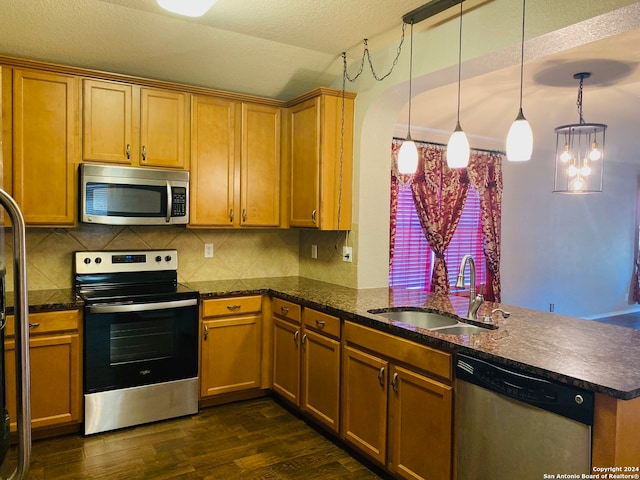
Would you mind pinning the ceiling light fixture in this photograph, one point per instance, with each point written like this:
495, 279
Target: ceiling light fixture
520, 136
408, 154
579, 152
458, 147
189, 8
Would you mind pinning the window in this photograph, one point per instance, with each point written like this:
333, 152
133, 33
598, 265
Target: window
413, 259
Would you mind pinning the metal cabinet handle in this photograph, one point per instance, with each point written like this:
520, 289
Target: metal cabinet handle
320, 323
206, 332
381, 376
233, 307
295, 337
284, 310
34, 325
128, 150
304, 339
244, 214
231, 215
144, 153
313, 216
394, 382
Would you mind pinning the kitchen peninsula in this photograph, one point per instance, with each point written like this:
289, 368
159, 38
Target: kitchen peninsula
594, 356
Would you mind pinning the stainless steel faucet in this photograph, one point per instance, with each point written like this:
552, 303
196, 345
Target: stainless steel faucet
474, 300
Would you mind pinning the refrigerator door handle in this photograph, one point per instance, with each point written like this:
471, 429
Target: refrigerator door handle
21, 311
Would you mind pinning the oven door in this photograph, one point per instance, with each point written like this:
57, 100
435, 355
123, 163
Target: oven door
134, 344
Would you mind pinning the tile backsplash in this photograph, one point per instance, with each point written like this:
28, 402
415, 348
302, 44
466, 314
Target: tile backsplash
237, 253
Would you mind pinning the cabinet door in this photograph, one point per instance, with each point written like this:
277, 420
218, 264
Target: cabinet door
286, 360
231, 355
213, 162
321, 378
260, 166
107, 121
163, 128
305, 164
364, 402
55, 380
420, 424
45, 146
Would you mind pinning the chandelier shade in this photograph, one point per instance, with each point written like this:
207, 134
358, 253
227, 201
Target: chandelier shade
188, 8
579, 160
408, 154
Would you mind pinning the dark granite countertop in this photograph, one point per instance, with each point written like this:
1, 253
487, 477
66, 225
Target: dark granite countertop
591, 355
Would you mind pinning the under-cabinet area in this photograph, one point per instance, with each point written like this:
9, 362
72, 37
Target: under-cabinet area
253, 162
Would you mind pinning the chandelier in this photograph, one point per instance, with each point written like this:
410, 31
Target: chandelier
579, 152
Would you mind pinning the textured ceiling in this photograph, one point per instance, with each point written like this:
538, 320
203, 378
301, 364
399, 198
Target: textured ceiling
291, 46
282, 48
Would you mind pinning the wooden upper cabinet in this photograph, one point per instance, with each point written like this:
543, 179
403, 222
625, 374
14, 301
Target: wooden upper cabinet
260, 165
108, 121
213, 161
163, 128
46, 137
235, 164
321, 156
132, 125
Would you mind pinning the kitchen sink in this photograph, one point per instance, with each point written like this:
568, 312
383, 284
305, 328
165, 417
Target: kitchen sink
461, 329
418, 318
429, 320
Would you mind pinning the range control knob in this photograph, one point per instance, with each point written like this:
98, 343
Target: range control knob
168, 258
98, 260
158, 258
87, 260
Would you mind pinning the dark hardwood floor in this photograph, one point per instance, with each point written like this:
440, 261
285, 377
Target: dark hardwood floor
255, 439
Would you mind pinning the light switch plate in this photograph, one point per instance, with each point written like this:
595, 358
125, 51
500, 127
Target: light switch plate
208, 250
347, 254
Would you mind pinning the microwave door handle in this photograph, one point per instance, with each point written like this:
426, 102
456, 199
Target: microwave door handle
169, 202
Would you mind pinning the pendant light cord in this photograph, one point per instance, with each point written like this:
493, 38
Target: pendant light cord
522, 53
459, 63
410, 77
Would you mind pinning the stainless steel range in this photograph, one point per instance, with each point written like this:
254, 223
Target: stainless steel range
140, 338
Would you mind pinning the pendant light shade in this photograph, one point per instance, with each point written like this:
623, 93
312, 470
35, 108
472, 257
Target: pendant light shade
520, 136
520, 140
408, 154
189, 8
458, 150
458, 146
408, 157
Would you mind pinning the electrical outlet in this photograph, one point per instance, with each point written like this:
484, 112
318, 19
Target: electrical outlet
208, 250
314, 251
347, 254
552, 307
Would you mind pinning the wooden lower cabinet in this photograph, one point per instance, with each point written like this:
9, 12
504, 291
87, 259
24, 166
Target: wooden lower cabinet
55, 367
231, 345
320, 372
306, 361
392, 410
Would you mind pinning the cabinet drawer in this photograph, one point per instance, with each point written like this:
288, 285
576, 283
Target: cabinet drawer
231, 306
321, 322
427, 359
284, 309
46, 322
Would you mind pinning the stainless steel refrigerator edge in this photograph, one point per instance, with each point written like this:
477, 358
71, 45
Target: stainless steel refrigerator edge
21, 314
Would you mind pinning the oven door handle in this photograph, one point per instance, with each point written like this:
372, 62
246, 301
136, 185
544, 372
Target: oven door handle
140, 307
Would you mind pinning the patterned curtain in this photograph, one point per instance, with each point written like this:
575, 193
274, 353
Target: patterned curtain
485, 173
439, 194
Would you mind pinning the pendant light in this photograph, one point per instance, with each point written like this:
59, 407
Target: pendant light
579, 152
408, 154
458, 146
189, 8
520, 136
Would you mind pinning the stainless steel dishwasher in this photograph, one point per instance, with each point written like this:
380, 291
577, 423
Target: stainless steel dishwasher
511, 425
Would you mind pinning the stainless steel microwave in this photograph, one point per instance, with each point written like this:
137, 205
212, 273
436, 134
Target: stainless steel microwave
114, 195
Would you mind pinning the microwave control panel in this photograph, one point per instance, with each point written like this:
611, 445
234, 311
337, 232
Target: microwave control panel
178, 201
